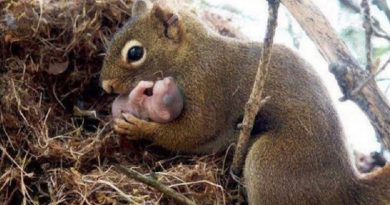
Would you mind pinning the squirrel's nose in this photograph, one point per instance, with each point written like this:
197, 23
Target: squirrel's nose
107, 85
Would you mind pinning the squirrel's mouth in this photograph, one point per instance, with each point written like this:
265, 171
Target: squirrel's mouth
123, 87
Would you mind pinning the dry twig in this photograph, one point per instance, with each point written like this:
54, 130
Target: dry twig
383, 6
253, 105
155, 184
372, 76
368, 28
377, 29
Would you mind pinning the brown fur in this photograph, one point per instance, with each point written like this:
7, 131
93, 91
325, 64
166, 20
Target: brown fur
298, 155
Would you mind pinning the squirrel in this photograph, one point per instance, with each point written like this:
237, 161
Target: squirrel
298, 153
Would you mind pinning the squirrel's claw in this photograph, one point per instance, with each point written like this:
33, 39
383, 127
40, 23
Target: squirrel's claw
132, 126
124, 128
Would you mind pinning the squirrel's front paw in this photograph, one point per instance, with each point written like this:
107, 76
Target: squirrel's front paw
134, 127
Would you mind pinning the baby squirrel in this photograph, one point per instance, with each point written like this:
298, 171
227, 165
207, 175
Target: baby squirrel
298, 153
159, 102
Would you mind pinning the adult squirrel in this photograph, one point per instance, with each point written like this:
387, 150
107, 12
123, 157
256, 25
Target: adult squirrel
298, 154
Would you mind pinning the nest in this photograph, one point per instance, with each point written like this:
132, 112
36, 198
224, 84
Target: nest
56, 142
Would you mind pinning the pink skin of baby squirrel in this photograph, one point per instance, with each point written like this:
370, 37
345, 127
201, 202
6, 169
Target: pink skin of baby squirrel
164, 105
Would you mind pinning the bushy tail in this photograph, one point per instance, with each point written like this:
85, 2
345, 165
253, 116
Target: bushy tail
375, 186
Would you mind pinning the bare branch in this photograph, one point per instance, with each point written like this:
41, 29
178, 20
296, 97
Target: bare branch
382, 5
372, 76
368, 28
380, 34
350, 4
346, 70
253, 105
378, 31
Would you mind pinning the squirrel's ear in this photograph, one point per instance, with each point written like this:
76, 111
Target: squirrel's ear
168, 19
141, 7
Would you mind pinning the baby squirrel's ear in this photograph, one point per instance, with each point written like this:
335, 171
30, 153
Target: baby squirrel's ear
141, 7
168, 19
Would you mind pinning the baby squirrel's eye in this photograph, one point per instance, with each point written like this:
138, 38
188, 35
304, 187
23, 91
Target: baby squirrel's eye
133, 53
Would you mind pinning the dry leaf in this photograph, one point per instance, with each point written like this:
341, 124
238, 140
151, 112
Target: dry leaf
58, 68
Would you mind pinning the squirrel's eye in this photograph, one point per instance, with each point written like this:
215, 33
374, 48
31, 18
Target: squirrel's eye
135, 53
